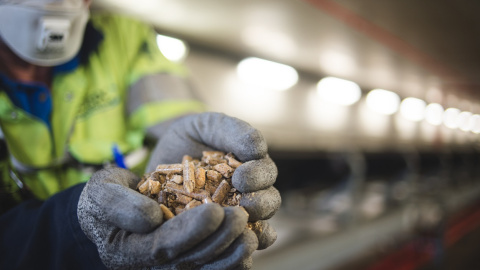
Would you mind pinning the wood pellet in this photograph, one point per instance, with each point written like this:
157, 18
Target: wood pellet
183, 186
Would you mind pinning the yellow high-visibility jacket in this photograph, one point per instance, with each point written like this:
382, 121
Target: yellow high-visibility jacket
122, 87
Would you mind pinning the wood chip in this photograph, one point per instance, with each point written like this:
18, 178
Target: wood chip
221, 192
225, 170
167, 214
169, 168
188, 176
200, 177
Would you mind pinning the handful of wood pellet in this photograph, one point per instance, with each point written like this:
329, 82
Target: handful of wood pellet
182, 186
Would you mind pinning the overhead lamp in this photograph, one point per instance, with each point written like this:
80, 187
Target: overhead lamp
434, 114
172, 48
266, 74
450, 117
383, 101
413, 109
338, 91
475, 123
463, 121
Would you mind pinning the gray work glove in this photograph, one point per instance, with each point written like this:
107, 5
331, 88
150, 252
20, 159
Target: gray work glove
193, 134
125, 227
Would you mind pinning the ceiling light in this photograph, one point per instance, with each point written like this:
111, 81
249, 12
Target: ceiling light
413, 109
383, 101
475, 123
450, 117
463, 121
266, 74
173, 49
338, 91
434, 114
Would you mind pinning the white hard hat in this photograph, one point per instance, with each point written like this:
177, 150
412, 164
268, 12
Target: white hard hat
43, 32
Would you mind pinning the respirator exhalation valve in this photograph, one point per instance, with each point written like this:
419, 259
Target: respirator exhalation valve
54, 33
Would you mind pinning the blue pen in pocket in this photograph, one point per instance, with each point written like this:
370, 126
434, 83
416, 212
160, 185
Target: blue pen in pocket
118, 157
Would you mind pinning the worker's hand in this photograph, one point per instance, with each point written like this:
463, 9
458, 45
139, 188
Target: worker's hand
193, 134
125, 226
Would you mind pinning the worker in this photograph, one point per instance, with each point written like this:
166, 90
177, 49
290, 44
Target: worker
82, 94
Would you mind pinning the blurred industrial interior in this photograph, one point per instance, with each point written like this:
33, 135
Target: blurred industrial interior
374, 125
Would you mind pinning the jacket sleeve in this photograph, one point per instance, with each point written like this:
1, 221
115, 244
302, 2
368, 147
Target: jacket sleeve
47, 235
158, 89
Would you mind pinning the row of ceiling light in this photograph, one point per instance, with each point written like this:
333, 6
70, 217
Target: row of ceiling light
343, 92
280, 77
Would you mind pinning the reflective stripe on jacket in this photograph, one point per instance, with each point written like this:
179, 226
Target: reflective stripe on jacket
90, 110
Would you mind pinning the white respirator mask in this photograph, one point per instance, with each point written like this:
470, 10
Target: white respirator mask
43, 32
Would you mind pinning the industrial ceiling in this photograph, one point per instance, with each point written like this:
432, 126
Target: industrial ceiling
425, 49
412, 47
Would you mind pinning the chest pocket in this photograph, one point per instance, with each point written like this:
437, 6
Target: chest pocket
100, 124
